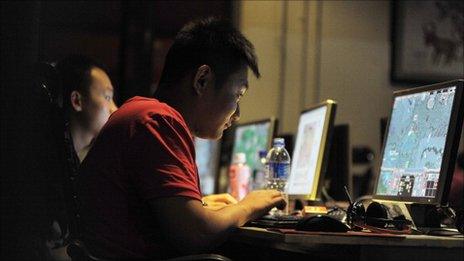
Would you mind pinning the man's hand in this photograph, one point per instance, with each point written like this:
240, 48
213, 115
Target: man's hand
191, 227
218, 201
261, 201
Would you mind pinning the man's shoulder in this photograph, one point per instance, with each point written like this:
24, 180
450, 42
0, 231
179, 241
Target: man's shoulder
143, 109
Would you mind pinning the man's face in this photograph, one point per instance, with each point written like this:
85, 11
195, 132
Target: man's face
98, 105
221, 105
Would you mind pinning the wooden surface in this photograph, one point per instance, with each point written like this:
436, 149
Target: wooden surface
351, 245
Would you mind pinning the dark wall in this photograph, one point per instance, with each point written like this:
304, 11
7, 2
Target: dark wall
122, 34
19, 50
130, 37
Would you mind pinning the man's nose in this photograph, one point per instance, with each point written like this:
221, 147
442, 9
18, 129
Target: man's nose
236, 115
113, 107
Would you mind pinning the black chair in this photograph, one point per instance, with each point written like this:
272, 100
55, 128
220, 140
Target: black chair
79, 252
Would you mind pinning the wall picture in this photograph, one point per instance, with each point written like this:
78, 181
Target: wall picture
427, 41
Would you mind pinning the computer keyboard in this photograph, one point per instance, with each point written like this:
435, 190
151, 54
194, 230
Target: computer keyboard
281, 217
281, 221
290, 221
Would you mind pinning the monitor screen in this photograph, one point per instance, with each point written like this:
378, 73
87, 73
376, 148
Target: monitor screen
310, 150
417, 137
207, 159
252, 137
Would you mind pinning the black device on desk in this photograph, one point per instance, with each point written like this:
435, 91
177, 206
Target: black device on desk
270, 221
322, 223
420, 147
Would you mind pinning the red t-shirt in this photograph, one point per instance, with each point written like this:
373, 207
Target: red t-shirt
144, 152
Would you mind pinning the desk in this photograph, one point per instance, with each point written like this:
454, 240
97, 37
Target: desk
344, 247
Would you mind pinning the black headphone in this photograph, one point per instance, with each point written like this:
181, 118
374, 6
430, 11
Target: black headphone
376, 216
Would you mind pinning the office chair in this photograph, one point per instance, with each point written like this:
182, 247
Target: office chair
79, 252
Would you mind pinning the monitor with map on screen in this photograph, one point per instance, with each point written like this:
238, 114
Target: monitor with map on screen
252, 137
311, 150
420, 144
207, 160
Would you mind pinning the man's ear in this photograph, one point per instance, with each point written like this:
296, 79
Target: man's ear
203, 77
76, 100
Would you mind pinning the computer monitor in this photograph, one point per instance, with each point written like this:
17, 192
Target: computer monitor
338, 173
252, 137
421, 143
310, 154
207, 160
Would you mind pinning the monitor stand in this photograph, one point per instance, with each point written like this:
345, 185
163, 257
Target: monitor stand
424, 216
427, 219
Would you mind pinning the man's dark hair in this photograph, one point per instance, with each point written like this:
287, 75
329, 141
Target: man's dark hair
75, 75
211, 41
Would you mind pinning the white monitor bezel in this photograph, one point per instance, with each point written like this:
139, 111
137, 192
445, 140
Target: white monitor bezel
322, 158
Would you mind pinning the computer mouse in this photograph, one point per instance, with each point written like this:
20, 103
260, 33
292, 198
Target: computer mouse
321, 223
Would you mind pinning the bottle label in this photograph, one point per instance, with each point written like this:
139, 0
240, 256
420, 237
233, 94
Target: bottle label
279, 170
239, 181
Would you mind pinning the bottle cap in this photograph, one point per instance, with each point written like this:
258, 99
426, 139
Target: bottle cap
239, 157
279, 141
262, 154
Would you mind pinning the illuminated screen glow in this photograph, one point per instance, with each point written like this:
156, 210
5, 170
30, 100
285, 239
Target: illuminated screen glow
250, 139
307, 151
415, 144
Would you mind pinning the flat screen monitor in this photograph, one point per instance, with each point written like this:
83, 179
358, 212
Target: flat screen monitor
207, 160
252, 137
338, 174
310, 152
420, 144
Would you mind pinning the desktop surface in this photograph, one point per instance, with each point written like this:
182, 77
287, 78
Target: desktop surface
272, 244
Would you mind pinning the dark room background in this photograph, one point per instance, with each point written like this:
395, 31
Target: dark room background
130, 37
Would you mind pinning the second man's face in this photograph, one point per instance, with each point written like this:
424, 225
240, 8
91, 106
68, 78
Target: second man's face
99, 104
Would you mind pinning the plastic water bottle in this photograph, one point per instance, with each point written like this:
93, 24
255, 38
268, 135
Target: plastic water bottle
278, 169
239, 176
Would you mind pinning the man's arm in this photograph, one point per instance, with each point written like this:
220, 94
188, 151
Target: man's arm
218, 201
192, 228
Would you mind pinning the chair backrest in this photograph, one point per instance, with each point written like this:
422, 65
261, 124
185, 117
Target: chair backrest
66, 163
47, 77
79, 252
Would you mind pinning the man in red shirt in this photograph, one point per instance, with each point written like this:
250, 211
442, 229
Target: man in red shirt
139, 184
